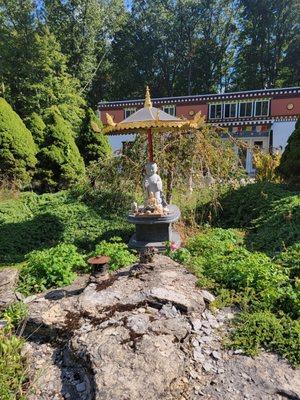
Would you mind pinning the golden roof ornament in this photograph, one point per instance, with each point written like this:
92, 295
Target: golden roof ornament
110, 120
150, 117
148, 102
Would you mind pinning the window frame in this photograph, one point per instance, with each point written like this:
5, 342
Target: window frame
268, 108
215, 105
245, 102
169, 106
132, 110
230, 104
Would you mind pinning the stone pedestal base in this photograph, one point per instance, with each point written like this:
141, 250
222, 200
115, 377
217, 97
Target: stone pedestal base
154, 231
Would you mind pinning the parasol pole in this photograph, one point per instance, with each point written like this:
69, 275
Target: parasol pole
150, 145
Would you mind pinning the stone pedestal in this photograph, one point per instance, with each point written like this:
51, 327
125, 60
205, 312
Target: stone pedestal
153, 231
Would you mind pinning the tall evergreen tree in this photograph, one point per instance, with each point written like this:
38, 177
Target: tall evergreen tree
17, 148
59, 162
17, 27
84, 29
289, 167
266, 29
50, 83
92, 144
32, 66
177, 47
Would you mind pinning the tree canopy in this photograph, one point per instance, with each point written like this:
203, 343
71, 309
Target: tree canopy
65, 52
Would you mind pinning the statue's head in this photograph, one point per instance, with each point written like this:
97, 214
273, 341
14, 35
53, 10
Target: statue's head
151, 168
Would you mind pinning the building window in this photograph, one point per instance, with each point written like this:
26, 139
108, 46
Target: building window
215, 111
230, 110
129, 111
246, 109
170, 109
261, 108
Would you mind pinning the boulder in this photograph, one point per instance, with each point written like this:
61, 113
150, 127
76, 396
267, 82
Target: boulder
144, 332
8, 282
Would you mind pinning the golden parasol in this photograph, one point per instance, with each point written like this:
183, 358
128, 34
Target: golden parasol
150, 119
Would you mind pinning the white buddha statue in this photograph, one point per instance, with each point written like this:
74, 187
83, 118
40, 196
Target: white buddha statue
153, 186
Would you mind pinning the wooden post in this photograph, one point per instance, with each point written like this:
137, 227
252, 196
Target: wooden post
150, 145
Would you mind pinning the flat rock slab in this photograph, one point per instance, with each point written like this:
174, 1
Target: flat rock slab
143, 333
8, 282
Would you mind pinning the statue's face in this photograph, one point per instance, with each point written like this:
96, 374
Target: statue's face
151, 168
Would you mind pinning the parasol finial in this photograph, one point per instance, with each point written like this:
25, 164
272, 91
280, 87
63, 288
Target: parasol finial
148, 102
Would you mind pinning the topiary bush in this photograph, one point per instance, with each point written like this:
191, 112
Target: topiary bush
50, 268
289, 167
60, 164
37, 127
17, 148
92, 144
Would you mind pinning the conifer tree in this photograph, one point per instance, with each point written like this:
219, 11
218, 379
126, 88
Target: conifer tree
37, 126
17, 148
59, 162
52, 85
289, 167
92, 144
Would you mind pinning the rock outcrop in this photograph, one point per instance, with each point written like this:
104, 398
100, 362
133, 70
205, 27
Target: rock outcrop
143, 333
8, 281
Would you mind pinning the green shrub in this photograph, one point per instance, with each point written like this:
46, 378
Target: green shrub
117, 251
15, 314
92, 143
60, 164
254, 278
51, 268
239, 207
289, 167
216, 241
278, 227
17, 148
13, 368
37, 127
290, 259
263, 329
178, 254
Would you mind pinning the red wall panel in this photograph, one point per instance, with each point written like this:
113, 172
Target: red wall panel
279, 106
183, 111
117, 114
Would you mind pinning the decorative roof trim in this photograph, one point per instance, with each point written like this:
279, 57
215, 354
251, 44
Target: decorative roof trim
103, 105
255, 122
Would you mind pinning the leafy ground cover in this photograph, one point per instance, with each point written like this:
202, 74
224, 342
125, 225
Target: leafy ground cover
32, 222
266, 291
256, 268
